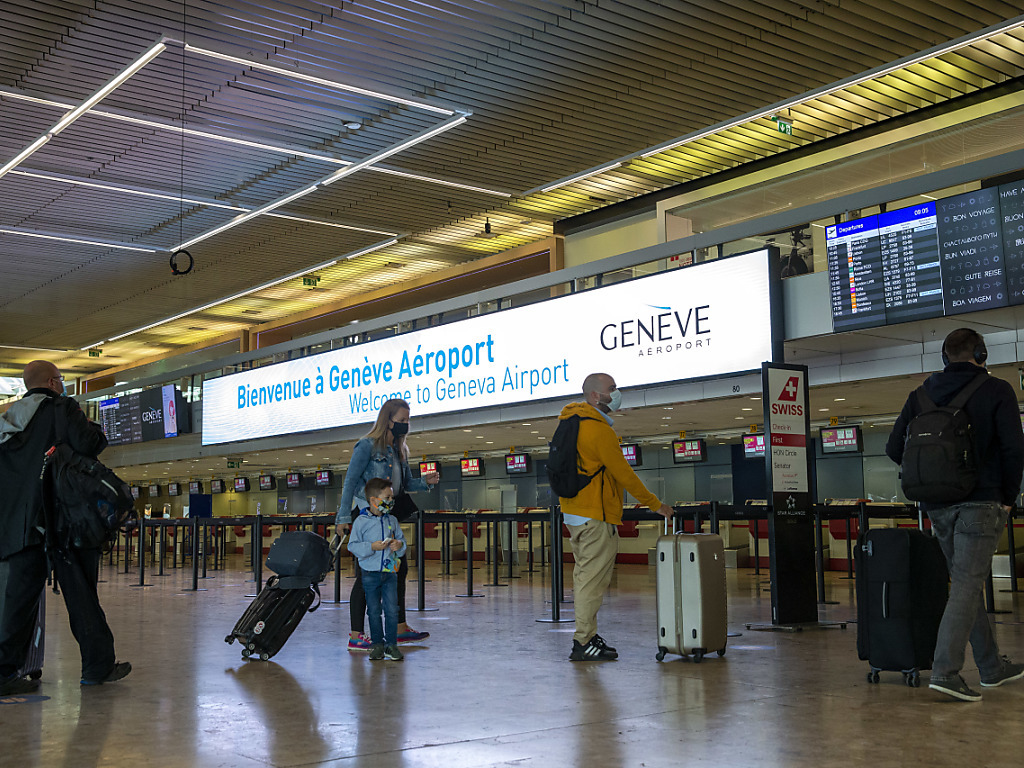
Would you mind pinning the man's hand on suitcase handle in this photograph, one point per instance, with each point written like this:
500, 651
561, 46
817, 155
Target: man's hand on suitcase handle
665, 511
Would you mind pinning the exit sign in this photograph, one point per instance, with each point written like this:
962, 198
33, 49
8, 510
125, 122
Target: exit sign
310, 282
95, 352
234, 463
784, 127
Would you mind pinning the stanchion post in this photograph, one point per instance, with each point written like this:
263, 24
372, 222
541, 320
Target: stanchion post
206, 544
556, 568
142, 551
163, 548
819, 555
469, 559
421, 560
1012, 549
195, 554
715, 524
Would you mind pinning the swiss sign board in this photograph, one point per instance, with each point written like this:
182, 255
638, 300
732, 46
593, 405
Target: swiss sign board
786, 430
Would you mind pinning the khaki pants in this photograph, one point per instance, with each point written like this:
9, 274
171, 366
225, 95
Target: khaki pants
594, 546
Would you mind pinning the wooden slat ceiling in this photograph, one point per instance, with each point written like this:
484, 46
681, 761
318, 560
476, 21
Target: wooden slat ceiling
554, 88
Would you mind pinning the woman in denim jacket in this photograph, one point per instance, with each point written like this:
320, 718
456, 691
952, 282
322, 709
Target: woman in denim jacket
381, 453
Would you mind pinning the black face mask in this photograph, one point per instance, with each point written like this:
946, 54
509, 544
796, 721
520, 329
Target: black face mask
399, 429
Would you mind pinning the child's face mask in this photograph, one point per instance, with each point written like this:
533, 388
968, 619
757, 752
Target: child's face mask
384, 506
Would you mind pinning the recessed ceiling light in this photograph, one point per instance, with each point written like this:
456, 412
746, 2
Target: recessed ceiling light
667, 408
740, 418
755, 398
467, 430
527, 425
746, 409
309, 454
291, 450
534, 431
442, 447
490, 442
666, 418
430, 442
839, 399
823, 409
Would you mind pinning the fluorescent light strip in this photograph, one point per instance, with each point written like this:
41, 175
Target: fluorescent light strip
82, 108
262, 287
127, 190
386, 153
330, 179
431, 180
330, 224
319, 80
816, 94
32, 349
98, 243
581, 176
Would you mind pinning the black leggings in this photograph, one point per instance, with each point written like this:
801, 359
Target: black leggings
357, 600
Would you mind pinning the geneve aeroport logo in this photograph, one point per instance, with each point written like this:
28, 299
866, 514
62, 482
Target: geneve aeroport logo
664, 330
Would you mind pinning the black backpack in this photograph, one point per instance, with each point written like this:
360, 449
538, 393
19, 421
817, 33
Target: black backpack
564, 476
88, 502
940, 464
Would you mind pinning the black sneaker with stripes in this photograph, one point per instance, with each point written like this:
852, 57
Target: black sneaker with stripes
596, 649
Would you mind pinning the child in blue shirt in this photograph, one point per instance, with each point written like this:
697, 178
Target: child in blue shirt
377, 541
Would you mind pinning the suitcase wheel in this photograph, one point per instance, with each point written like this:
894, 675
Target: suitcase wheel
873, 676
698, 655
35, 674
230, 639
264, 657
246, 653
661, 654
912, 678
721, 652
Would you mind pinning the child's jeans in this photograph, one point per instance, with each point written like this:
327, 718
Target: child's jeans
381, 596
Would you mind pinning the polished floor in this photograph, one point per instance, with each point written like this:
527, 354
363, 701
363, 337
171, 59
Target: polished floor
492, 687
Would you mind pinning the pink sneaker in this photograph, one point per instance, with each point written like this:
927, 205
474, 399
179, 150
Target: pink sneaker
412, 636
361, 643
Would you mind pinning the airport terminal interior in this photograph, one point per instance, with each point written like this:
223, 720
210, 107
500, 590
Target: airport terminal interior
238, 228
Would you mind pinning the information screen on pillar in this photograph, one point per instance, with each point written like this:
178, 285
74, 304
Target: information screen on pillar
753, 446
689, 451
174, 489
840, 440
135, 492
241, 484
154, 491
324, 477
429, 466
959, 254
293, 480
216, 486
471, 467
267, 483
517, 463
195, 487
632, 454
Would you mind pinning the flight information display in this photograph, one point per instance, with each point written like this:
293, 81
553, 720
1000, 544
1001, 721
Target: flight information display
151, 414
960, 254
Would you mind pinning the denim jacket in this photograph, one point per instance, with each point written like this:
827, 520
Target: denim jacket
367, 463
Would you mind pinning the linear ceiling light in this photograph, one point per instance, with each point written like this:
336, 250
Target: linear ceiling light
305, 220
871, 74
32, 349
82, 108
581, 176
443, 182
319, 80
329, 179
126, 190
248, 291
396, 148
98, 243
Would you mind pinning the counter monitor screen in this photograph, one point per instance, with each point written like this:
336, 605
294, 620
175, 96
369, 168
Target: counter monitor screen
324, 477
429, 466
195, 487
293, 480
135, 491
154, 491
632, 454
753, 446
241, 484
840, 440
174, 489
267, 483
471, 467
517, 463
688, 451
216, 486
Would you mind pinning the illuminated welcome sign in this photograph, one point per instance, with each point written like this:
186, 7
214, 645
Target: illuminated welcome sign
711, 319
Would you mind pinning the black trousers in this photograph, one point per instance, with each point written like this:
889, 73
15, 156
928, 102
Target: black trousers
77, 574
357, 600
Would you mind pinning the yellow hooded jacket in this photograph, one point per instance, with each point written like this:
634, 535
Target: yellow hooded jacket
598, 446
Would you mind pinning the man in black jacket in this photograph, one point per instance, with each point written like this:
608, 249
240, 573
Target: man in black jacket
27, 431
969, 530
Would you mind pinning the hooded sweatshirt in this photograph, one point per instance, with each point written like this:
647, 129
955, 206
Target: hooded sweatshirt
995, 424
596, 447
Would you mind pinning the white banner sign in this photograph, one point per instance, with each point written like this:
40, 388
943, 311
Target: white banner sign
712, 319
787, 430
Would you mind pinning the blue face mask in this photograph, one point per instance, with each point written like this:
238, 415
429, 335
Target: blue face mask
615, 401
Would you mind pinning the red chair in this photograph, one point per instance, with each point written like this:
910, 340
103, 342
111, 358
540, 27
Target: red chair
628, 530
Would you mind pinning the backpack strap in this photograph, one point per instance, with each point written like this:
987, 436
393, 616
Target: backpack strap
60, 421
964, 394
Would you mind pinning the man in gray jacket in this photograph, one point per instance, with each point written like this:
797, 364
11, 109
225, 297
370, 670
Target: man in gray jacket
27, 431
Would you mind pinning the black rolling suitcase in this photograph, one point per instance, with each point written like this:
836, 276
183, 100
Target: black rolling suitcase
33, 666
302, 560
902, 586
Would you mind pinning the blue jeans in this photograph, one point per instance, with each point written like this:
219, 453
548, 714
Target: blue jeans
968, 533
381, 594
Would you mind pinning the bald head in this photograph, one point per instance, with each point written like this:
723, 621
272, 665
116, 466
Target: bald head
42, 374
596, 389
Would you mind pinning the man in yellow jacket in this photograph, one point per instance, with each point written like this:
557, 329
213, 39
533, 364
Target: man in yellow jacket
593, 514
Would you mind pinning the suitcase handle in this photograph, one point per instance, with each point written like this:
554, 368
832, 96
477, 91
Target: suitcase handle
885, 599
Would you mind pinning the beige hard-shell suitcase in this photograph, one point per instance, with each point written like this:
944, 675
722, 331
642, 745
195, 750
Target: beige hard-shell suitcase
691, 595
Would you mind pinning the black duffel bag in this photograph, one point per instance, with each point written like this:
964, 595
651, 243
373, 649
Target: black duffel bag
300, 558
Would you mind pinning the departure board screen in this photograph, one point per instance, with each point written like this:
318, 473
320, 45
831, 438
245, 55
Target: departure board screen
960, 254
910, 263
121, 419
971, 249
855, 274
151, 414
